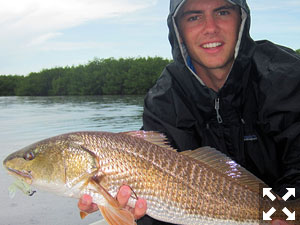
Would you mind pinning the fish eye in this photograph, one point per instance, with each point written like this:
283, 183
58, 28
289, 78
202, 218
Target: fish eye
29, 156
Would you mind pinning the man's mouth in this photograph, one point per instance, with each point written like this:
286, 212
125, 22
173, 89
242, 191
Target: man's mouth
212, 45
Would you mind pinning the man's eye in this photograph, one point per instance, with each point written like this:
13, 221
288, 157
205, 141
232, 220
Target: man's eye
193, 18
223, 13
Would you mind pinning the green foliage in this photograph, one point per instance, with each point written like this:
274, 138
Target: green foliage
98, 77
8, 84
298, 51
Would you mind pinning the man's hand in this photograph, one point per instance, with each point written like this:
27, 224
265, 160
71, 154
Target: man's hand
86, 204
140, 206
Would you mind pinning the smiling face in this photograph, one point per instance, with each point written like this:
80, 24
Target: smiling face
209, 29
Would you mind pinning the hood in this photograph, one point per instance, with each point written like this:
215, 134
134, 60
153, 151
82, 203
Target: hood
179, 51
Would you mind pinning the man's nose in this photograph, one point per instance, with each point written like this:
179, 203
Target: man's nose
211, 25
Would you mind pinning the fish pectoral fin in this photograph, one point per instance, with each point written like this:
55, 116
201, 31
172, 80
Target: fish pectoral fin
83, 214
117, 216
110, 199
113, 213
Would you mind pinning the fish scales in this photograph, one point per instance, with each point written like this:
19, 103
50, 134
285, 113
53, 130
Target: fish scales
147, 165
194, 187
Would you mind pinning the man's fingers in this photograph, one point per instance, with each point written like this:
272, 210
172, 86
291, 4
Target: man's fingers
124, 195
86, 204
140, 208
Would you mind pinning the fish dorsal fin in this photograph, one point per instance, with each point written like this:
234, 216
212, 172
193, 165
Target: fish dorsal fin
152, 137
226, 166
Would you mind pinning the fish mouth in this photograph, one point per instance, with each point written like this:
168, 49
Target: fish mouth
10, 165
26, 176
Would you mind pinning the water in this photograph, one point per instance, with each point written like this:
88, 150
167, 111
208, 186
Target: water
25, 120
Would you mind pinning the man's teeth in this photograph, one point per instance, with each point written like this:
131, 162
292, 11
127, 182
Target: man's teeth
212, 45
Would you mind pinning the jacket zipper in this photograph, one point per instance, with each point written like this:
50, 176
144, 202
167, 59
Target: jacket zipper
217, 108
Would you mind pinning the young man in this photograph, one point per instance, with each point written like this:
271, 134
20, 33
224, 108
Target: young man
226, 91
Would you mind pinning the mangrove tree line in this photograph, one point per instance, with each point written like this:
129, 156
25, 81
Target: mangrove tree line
98, 77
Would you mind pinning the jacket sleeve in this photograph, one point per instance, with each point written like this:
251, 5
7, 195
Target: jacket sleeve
147, 220
280, 114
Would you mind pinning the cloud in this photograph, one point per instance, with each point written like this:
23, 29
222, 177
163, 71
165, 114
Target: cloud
33, 22
73, 46
37, 29
58, 14
43, 38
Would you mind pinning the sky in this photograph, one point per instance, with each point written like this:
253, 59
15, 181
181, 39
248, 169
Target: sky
43, 34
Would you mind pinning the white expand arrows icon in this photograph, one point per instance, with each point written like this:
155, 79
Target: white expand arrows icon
267, 191
267, 216
291, 192
291, 216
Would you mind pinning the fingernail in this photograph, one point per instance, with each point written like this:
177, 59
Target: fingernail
140, 205
124, 192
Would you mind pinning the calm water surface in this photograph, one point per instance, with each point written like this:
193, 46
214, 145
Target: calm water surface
25, 120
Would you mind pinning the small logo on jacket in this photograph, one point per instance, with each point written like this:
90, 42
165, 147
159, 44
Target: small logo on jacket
250, 138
